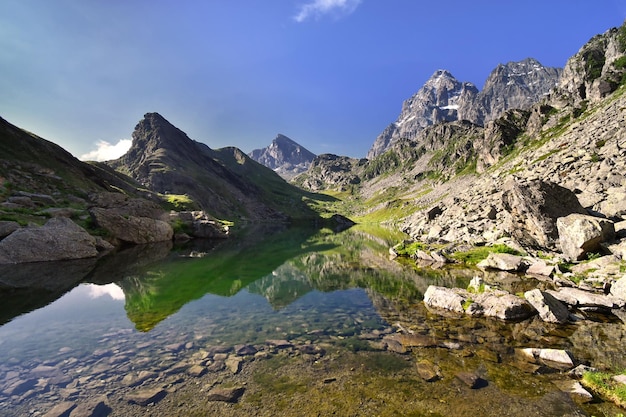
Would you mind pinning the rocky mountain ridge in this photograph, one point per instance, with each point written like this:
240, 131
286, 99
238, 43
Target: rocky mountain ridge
286, 157
460, 182
224, 182
515, 85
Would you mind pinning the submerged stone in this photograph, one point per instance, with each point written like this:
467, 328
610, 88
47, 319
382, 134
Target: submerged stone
229, 395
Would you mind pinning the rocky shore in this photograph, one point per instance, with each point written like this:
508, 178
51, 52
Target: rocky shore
111, 220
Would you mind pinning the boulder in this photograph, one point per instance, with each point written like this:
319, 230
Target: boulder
550, 309
125, 205
59, 239
199, 224
581, 234
555, 358
499, 304
502, 261
131, 229
533, 208
540, 268
586, 299
503, 305
446, 298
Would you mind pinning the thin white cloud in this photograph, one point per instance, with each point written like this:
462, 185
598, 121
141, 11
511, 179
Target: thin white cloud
318, 8
105, 151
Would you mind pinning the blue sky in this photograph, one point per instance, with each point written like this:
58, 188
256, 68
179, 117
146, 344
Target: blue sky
329, 74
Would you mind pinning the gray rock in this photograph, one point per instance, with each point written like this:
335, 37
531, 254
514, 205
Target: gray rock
279, 343
131, 229
550, 309
97, 407
575, 389
229, 395
502, 262
245, 350
581, 234
618, 289
534, 208
199, 224
197, 371
59, 239
233, 363
620, 379
504, 306
540, 268
428, 371
8, 227
472, 380
551, 357
581, 298
61, 410
446, 298
146, 396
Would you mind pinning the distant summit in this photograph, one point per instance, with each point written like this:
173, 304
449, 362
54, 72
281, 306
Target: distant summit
444, 99
286, 157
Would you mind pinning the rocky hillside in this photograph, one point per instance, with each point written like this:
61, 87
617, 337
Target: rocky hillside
225, 182
515, 85
286, 157
457, 181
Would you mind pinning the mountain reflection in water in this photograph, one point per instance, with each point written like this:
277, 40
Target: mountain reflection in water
153, 310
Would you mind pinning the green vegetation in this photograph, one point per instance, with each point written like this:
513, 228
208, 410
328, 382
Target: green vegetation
594, 60
180, 202
467, 303
409, 249
621, 38
477, 254
603, 384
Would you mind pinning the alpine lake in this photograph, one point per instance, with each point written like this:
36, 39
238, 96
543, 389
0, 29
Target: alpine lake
276, 322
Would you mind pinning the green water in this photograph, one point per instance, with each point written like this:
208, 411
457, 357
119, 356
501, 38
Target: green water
141, 318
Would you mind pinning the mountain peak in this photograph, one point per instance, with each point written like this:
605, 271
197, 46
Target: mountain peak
284, 156
444, 98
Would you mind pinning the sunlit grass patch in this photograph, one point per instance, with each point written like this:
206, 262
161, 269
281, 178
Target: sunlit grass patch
603, 384
477, 254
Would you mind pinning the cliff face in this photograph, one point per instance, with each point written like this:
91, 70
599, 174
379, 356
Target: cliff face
515, 85
594, 72
286, 157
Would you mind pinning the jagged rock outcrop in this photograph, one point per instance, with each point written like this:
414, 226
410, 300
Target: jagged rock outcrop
59, 239
286, 157
437, 101
330, 171
594, 72
515, 85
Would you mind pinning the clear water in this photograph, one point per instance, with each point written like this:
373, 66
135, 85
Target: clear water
147, 314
